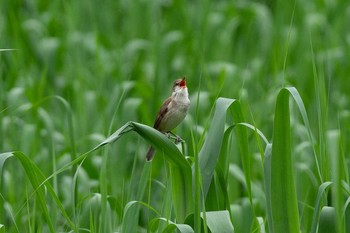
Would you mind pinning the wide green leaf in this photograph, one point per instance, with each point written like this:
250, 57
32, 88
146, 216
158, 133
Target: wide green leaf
209, 153
219, 221
216, 221
284, 206
210, 150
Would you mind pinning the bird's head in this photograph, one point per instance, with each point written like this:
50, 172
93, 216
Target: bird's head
179, 84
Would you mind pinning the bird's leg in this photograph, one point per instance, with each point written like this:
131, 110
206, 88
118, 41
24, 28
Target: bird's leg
177, 138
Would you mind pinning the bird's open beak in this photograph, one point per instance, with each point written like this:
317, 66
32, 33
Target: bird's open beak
183, 82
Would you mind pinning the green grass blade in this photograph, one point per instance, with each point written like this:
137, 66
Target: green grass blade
5, 50
222, 173
197, 193
296, 96
346, 215
242, 141
35, 177
322, 113
181, 183
262, 136
327, 222
213, 145
321, 192
219, 221
3, 158
267, 181
259, 225
284, 206
216, 221
242, 215
171, 226
182, 228
131, 218
161, 143
69, 112
210, 151
335, 158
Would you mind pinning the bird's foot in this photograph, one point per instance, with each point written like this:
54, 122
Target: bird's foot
176, 138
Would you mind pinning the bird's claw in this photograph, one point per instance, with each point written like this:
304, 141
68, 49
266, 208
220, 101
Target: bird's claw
178, 140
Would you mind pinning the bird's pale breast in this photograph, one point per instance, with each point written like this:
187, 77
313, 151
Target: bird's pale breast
177, 111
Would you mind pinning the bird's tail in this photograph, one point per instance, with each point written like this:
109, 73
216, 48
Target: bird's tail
150, 154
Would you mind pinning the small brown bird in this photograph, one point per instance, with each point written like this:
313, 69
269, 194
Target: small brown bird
172, 112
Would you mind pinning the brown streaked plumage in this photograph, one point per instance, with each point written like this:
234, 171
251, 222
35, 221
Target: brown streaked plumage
163, 110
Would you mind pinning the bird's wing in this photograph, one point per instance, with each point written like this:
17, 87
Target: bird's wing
163, 110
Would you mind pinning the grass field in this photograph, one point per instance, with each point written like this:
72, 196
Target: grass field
266, 139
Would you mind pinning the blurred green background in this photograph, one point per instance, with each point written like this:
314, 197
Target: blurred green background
115, 61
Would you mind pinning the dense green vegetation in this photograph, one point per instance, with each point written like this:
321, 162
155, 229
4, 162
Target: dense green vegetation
266, 140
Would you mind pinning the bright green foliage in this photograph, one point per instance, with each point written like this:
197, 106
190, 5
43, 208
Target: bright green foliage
266, 141
284, 207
